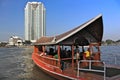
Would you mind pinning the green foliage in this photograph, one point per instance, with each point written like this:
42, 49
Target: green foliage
111, 42
108, 41
2, 44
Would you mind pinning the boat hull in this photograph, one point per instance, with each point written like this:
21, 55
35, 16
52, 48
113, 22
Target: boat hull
53, 71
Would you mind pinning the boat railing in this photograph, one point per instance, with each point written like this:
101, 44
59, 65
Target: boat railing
66, 62
47, 59
66, 59
90, 67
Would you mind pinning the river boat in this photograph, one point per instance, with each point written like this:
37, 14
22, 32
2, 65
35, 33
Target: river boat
56, 55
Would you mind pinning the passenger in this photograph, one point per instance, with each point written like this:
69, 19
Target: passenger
51, 51
77, 54
77, 50
61, 62
43, 53
40, 48
66, 53
69, 53
87, 54
62, 54
56, 56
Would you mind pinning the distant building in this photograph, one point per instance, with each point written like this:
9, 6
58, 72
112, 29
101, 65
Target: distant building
34, 21
15, 41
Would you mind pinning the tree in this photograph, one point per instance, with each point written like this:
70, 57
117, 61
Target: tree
109, 41
27, 42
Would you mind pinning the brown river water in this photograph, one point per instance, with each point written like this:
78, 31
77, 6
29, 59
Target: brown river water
16, 64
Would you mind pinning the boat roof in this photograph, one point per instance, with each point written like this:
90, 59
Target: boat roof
89, 32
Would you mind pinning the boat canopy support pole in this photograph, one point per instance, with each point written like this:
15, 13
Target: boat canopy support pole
59, 56
97, 55
43, 49
72, 56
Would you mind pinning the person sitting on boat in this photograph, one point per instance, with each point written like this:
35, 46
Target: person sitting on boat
69, 53
56, 56
87, 54
51, 51
66, 53
42, 53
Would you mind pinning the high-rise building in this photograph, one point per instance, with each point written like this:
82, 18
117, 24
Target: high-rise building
34, 21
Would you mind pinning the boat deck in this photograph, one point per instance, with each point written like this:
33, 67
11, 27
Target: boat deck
91, 76
84, 75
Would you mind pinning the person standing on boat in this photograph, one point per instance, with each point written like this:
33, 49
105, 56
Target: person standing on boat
77, 54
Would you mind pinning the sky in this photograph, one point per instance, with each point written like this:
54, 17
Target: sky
61, 16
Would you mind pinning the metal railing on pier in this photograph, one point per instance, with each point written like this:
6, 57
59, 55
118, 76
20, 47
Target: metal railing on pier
90, 67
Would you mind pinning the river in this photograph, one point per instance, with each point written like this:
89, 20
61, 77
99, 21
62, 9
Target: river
16, 63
